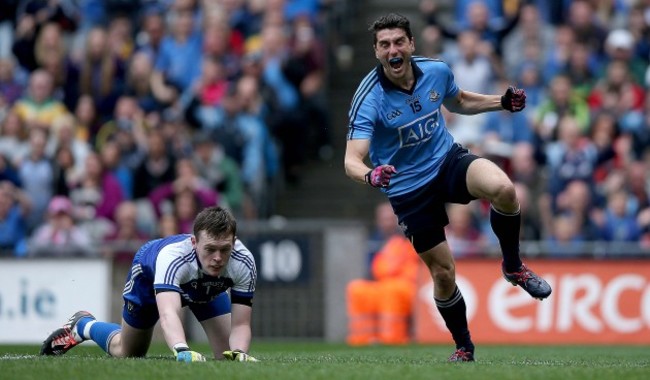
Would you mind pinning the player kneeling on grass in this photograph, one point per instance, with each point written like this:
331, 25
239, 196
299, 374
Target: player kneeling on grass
168, 274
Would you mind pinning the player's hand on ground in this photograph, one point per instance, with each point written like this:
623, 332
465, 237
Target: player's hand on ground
380, 176
514, 100
238, 356
184, 354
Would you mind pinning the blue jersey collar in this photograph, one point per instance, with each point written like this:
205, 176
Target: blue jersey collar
388, 85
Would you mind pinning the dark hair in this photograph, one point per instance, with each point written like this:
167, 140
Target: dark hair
390, 21
216, 222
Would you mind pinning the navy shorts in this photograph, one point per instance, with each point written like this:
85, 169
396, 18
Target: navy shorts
423, 209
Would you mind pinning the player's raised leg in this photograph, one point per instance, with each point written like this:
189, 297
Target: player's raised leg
486, 180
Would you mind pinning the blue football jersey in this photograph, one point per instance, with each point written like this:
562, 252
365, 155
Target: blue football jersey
172, 264
406, 129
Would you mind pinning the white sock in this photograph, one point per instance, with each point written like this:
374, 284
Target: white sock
86, 333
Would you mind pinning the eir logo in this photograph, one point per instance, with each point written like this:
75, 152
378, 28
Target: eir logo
418, 131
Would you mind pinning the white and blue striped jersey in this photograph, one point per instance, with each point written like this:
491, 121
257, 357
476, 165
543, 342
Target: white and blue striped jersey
171, 264
406, 128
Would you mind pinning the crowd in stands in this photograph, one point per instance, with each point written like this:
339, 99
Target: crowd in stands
120, 120
579, 153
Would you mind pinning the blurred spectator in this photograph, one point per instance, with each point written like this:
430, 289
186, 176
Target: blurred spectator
63, 12
463, 236
242, 137
206, 94
502, 130
616, 92
565, 239
473, 72
36, 176
581, 70
126, 237
39, 108
167, 226
305, 69
219, 171
156, 169
98, 192
120, 37
87, 119
221, 42
561, 102
558, 58
8, 172
619, 222
572, 157
605, 135
175, 68
531, 29
66, 173
63, 133
101, 73
7, 20
480, 17
149, 38
587, 28
14, 206
51, 54
113, 164
10, 88
286, 122
59, 236
13, 137
620, 46
128, 128
31, 17
187, 181
577, 202
138, 82
637, 178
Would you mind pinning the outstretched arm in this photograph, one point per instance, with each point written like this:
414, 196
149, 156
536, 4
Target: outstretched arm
471, 103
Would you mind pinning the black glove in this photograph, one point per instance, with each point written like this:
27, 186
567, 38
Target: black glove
514, 100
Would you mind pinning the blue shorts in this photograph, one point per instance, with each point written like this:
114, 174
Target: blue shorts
140, 309
423, 210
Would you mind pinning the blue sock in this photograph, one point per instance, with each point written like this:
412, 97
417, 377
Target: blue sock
100, 332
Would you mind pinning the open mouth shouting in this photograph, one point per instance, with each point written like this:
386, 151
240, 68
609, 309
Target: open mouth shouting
396, 63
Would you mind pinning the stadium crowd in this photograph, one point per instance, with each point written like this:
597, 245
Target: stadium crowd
121, 120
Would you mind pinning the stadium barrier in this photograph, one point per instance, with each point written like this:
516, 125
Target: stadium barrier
593, 302
37, 296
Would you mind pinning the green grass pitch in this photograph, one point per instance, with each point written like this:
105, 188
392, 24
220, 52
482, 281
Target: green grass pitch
291, 360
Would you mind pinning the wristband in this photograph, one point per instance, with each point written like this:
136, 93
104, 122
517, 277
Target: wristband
180, 347
366, 178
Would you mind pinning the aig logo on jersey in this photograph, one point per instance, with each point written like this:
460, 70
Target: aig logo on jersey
419, 131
